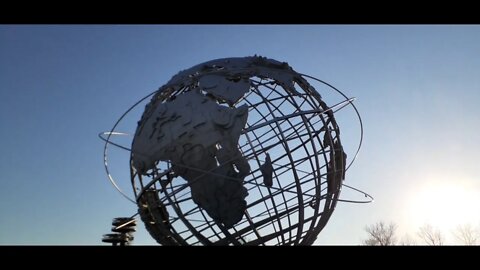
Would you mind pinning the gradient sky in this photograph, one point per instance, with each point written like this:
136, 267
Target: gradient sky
417, 89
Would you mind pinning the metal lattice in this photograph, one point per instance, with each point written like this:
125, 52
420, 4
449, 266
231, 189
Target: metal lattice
288, 122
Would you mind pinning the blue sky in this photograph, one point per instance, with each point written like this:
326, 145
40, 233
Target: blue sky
417, 89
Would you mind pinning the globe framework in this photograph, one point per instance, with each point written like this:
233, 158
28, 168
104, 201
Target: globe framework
237, 151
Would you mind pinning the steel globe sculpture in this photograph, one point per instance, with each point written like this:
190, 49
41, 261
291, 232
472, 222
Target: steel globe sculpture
238, 151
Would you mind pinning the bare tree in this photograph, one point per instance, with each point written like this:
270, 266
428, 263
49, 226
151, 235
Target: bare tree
431, 236
380, 234
407, 240
467, 234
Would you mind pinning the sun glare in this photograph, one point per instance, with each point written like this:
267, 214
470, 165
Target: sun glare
444, 205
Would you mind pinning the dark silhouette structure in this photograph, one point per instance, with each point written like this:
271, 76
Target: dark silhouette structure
123, 229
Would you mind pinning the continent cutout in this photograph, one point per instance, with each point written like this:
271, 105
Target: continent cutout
199, 137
